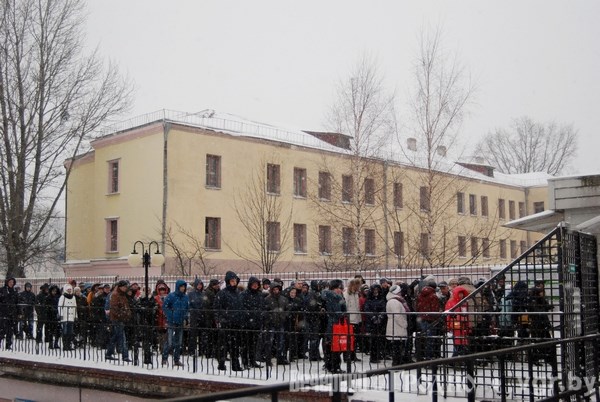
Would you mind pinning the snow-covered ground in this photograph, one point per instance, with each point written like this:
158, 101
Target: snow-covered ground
406, 384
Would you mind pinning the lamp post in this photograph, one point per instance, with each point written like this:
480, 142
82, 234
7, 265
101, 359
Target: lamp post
146, 258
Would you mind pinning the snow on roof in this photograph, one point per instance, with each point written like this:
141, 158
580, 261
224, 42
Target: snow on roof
239, 126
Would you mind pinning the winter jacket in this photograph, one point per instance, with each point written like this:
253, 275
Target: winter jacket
375, 313
229, 309
457, 323
296, 315
52, 304
397, 322
97, 312
254, 305
26, 302
427, 301
277, 306
67, 308
335, 306
352, 304
40, 305
177, 305
120, 310
9, 300
196, 299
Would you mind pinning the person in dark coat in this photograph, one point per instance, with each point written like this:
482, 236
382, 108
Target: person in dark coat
295, 326
519, 296
253, 302
120, 314
376, 322
230, 315
41, 313
81, 325
541, 326
98, 318
314, 316
335, 308
53, 321
211, 333
9, 309
276, 306
197, 319
26, 309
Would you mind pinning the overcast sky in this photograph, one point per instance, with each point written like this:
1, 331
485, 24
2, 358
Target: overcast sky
279, 61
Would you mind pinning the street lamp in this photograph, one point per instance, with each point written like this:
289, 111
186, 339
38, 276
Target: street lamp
145, 259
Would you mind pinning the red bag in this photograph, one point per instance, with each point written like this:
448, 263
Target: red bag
343, 337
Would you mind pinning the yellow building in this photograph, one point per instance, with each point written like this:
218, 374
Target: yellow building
218, 192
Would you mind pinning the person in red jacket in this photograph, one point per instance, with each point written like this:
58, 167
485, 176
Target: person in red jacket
428, 307
458, 321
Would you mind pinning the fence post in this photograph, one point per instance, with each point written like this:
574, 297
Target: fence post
470, 381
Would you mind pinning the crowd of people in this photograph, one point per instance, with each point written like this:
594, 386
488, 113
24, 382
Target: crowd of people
263, 322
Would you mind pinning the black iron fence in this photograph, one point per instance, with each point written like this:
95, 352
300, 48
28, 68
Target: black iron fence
456, 376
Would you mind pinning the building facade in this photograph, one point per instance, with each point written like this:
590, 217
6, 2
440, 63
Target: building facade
218, 193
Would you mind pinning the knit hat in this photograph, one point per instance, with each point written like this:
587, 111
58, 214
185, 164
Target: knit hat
443, 284
395, 289
68, 288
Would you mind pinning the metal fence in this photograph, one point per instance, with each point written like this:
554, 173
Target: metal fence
553, 288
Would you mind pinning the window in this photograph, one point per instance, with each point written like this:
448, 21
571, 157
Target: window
369, 191
398, 195
348, 241
212, 232
502, 244
325, 239
511, 210
485, 245
399, 244
347, 188
501, 209
462, 246
424, 244
523, 246
299, 238
324, 186
113, 177
472, 204
513, 249
112, 235
424, 201
521, 209
300, 182
273, 179
474, 247
213, 171
538, 207
484, 206
460, 203
369, 241
273, 236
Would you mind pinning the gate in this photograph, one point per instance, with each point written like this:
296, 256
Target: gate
564, 266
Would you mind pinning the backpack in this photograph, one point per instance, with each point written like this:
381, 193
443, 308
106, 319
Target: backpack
505, 318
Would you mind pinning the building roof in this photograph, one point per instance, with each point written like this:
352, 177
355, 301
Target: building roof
239, 126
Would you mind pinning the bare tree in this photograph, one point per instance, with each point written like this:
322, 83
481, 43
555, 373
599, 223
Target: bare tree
442, 94
364, 111
528, 146
189, 251
261, 213
52, 97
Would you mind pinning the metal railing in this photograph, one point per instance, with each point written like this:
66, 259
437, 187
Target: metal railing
439, 375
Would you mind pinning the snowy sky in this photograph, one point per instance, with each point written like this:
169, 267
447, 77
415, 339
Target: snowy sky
279, 61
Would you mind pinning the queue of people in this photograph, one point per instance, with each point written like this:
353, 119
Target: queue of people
251, 324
